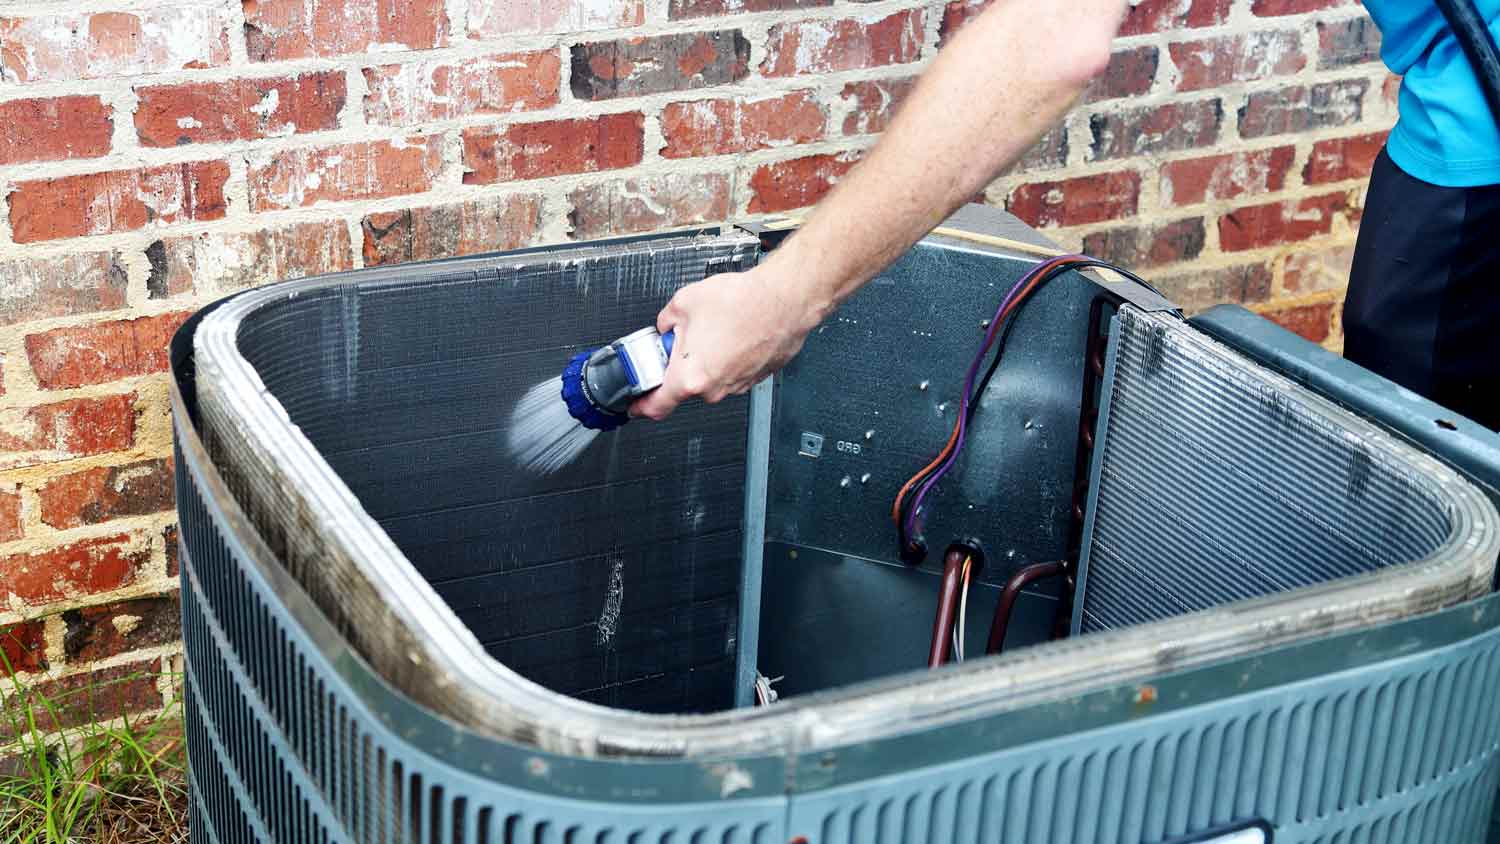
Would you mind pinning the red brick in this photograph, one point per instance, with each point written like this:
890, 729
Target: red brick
1348, 42
86, 567
956, 14
23, 648
1314, 322
1276, 223
1303, 108
62, 48
1155, 129
291, 29
118, 200
102, 695
874, 104
1078, 201
678, 9
107, 630
1390, 90
1214, 62
223, 262
553, 148
445, 231
1226, 176
648, 203
107, 492
682, 61
53, 129
1130, 73
1048, 153
503, 18
827, 46
1161, 15
1318, 272
63, 430
360, 170
1149, 245
426, 91
169, 539
798, 183
1245, 284
10, 516
94, 354
1274, 8
720, 127
238, 109
1342, 159
80, 283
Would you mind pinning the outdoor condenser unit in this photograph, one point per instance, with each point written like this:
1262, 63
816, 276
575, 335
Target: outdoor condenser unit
1274, 622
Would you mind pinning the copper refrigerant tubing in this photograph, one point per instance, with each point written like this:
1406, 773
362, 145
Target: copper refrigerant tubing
942, 626
1088, 420
1023, 578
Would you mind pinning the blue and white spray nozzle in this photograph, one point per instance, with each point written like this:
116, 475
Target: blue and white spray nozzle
600, 385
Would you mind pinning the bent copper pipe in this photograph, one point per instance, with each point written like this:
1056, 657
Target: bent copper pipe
942, 626
1020, 580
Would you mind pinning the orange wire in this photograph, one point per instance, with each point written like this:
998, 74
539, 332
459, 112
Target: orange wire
953, 437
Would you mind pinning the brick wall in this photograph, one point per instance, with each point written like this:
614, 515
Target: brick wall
158, 154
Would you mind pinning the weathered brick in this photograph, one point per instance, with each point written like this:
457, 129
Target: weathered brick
1213, 62
238, 109
1314, 322
445, 231
10, 516
1302, 108
92, 697
1226, 176
1196, 290
1077, 201
1130, 73
94, 354
1275, 223
1348, 42
1148, 245
223, 262
169, 539
678, 9
827, 46
874, 103
1342, 159
360, 170
1390, 90
1319, 271
955, 15
54, 128
85, 567
720, 127
291, 29
63, 430
682, 61
1150, 16
426, 91
107, 492
553, 148
649, 202
502, 18
107, 630
118, 200
1155, 129
23, 648
798, 183
1275, 8
39, 288
67, 47
1048, 153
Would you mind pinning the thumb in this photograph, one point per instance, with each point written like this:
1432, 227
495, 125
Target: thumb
660, 402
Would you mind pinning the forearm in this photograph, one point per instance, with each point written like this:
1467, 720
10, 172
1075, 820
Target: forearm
1008, 76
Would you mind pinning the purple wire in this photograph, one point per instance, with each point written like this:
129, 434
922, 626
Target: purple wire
963, 403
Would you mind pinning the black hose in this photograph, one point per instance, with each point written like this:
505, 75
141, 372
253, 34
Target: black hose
1479, 45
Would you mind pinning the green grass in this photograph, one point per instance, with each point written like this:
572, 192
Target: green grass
70, 772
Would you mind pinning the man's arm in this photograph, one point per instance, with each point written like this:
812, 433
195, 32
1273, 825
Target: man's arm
1007, 77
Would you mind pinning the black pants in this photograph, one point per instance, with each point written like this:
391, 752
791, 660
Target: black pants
1424, 296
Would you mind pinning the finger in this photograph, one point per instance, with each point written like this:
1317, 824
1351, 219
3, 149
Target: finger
669, 317
660, 402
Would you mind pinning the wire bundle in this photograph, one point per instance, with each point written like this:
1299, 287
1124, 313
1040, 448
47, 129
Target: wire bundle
907, 511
